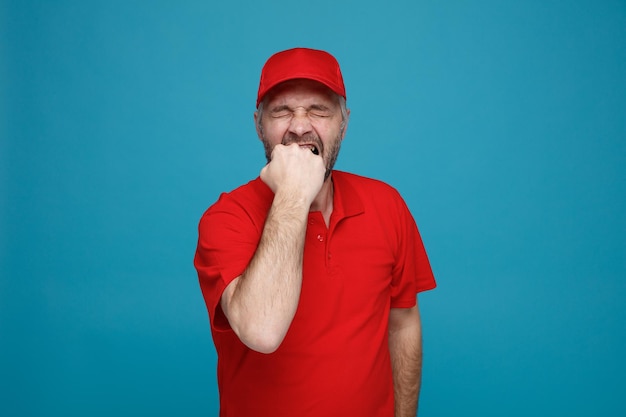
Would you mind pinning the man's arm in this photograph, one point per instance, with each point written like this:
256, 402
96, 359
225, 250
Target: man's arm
405, 347
261, 303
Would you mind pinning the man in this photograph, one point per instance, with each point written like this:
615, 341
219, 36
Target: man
309, 274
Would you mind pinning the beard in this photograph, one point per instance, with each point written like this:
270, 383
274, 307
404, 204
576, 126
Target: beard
329, 157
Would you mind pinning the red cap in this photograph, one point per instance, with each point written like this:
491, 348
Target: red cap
306, 63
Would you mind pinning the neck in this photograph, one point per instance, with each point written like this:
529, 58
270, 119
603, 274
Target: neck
324, 200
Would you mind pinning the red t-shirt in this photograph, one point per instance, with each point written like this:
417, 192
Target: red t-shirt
334, 360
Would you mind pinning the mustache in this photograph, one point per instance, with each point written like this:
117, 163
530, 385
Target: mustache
307, 139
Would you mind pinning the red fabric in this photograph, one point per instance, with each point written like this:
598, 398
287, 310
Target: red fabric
311, 64
334, 360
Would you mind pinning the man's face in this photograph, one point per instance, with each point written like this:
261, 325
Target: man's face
303, 112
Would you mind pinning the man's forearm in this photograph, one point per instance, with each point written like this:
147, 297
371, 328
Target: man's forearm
261, 303
405, 347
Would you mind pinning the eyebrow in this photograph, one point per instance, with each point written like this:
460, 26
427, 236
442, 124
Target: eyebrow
284, 107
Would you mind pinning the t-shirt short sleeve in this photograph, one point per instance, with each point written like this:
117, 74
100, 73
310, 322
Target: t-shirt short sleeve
412, 272
228, 234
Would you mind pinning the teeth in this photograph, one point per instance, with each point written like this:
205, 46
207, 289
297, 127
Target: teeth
312, 148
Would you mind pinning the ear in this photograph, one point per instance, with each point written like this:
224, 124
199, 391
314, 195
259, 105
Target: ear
345, 126
257, 125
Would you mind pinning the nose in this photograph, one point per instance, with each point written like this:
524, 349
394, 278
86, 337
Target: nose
300, 123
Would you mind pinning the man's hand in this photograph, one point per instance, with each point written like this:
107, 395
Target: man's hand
295, 171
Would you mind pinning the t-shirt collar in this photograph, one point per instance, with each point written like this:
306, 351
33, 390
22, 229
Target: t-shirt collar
346, 200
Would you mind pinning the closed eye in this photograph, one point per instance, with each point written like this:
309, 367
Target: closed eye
281, 114
316, 111
319, 111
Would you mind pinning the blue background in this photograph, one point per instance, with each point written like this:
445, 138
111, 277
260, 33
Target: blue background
503, 124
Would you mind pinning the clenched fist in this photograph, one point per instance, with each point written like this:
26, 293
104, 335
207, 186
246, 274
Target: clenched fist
296, 171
